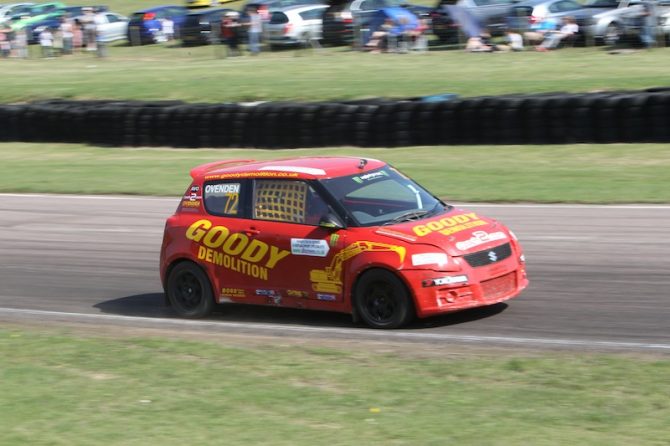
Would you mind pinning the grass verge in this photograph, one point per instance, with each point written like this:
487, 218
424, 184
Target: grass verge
616, 173
61, 389
200, 74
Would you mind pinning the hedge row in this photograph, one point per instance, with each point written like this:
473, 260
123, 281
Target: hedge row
557, 118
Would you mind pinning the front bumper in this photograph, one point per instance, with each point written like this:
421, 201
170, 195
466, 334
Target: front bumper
485, 285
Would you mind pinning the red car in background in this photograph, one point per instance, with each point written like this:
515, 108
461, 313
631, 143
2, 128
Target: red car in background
351, 235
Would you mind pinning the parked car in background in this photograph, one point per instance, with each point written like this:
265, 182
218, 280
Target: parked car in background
295, 25
145, 26
202, 27
602, 21
342, 16
490, 14
14, 9
111, 26
525, 14
205, 3
34, 14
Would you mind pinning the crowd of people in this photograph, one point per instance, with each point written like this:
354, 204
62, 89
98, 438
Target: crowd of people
80, 34
70, 36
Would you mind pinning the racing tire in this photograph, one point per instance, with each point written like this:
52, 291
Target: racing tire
189, 291
382, 300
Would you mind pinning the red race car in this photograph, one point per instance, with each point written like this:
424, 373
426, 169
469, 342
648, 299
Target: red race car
352, 235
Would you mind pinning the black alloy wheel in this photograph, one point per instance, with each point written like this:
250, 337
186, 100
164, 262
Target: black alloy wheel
189, 291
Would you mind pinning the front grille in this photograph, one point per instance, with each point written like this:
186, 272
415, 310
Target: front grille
499, 287
489, 256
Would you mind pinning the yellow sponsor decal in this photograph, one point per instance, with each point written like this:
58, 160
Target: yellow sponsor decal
329, 279
233, 292
190, 204
450, 225
234, 251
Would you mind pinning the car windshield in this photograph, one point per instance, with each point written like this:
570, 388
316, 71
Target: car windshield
383, 197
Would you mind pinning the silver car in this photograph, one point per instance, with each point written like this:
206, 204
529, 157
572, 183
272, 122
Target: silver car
525, 14
602, 21
295, 25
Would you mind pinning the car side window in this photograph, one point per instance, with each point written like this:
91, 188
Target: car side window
223, 198
287, 201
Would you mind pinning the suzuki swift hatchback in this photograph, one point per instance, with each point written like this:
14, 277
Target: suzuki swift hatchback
351, 235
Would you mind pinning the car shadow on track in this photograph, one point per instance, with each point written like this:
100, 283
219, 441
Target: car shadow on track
154, 305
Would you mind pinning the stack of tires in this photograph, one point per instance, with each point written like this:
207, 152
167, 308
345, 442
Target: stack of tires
554, 118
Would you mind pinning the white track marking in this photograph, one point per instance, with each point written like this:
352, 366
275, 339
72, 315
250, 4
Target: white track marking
146, 322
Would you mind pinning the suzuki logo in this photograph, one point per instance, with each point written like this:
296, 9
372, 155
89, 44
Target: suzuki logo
492, 256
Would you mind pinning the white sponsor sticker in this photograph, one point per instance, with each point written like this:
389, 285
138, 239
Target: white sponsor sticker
479, 238
326, 297
296, 169
309, 247
233, 188
429, 258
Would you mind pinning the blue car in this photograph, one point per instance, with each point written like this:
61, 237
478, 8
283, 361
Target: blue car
146, 26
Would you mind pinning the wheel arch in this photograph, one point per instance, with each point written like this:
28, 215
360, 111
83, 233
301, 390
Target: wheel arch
373, 267
178, 261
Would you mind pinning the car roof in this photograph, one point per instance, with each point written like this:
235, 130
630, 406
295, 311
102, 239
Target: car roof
307, 168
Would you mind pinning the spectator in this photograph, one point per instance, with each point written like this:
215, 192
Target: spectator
46, 42
89, 29
379, 40
20, 44
67, 32
255, 30
539, 29
58, 41
514, 41
5, 43
418, 39
168, 28
77, 35
553, 40
648, 30
230, 30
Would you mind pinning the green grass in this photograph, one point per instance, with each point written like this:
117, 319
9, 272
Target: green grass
616, 173
62, 389
199, 75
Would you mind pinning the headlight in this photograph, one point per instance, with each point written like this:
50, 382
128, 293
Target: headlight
430, 258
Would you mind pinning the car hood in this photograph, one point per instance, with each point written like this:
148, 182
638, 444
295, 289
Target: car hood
457, 232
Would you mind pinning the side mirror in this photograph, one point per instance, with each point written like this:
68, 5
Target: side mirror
331, 221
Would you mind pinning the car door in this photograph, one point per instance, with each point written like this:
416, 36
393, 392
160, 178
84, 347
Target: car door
305, 265
223, 245
116, 26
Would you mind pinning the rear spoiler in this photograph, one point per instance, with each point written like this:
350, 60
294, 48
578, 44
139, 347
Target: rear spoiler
204, 168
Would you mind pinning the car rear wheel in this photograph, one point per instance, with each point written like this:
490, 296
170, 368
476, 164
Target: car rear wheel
382, 300
189, 291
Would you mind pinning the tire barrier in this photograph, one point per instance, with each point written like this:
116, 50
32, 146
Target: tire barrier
549, 118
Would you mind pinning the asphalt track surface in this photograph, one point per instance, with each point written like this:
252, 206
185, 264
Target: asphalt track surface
600, 277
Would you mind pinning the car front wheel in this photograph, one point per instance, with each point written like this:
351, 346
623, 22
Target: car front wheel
189, 291
382, 300
613, 34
